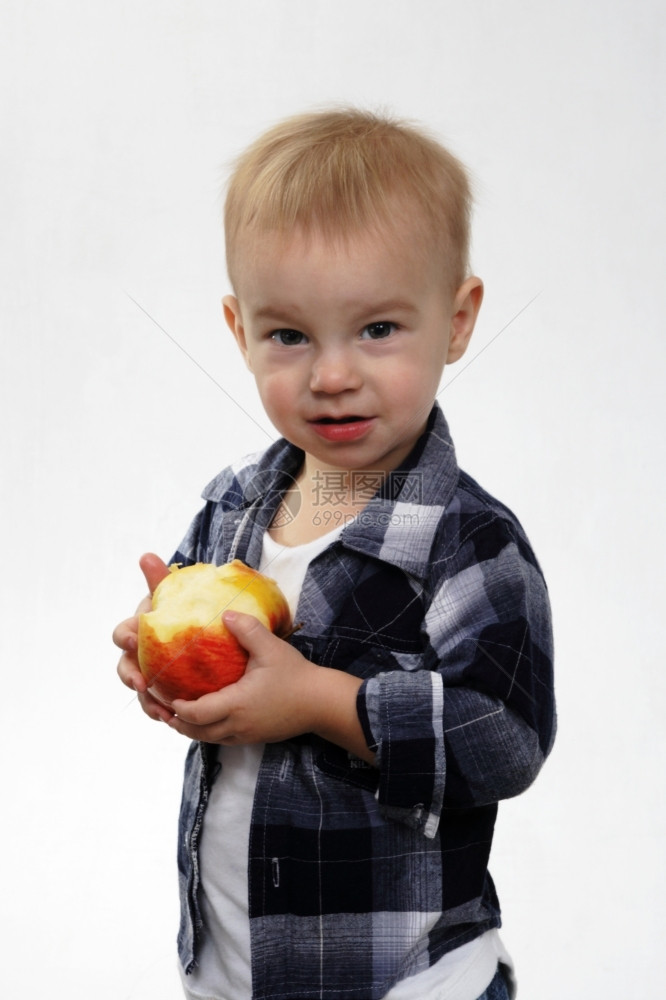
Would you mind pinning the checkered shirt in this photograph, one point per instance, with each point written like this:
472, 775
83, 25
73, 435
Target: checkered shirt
360, 876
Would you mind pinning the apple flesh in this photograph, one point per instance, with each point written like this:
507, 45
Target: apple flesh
184, 648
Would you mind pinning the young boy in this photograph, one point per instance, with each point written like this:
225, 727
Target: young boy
340, 799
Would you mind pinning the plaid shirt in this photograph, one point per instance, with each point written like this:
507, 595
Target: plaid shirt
360, 876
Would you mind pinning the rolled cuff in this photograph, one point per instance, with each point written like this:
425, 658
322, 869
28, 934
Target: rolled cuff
402, 718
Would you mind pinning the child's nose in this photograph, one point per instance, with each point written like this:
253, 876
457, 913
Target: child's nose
333, 372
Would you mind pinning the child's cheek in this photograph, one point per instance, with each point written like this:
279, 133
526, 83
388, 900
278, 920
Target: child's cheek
279, 393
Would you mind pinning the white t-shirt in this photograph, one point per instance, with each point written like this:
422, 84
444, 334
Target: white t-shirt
224, 969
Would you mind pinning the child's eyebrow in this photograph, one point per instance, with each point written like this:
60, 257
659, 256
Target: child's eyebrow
274, 312
361, 310
388, 306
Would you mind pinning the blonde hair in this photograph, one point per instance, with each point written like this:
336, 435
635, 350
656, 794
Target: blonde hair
340, 171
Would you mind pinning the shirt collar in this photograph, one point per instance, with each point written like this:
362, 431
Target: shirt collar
397, 526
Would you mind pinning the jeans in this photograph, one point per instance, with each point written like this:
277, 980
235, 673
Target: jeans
497, 988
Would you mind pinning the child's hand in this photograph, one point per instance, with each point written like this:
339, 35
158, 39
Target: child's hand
280, 695
270, 702
125, 637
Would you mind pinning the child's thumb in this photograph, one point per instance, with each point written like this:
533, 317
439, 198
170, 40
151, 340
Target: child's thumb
154, 569
251, 634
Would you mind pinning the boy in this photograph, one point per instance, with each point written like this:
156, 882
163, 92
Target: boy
340, 799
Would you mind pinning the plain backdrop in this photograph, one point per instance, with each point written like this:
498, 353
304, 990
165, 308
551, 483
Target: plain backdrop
122, 396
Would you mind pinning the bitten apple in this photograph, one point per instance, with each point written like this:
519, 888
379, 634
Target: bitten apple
185, 649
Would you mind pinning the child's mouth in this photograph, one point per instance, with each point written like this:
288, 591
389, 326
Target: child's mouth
342, 429
339, 420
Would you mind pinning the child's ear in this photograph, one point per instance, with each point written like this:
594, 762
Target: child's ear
466, 305
232, 315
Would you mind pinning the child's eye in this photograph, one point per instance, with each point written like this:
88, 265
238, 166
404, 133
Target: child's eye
288, 338
377, 331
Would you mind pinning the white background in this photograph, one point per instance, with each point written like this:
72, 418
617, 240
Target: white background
118, 121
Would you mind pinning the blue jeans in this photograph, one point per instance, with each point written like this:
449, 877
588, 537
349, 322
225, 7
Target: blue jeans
497, 988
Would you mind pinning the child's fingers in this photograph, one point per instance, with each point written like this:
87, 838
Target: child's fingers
154, 709
130, 675
125, 634
206, 710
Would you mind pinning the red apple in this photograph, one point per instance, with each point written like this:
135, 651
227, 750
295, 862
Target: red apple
185, 649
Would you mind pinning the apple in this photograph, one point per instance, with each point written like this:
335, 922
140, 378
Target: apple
184, 648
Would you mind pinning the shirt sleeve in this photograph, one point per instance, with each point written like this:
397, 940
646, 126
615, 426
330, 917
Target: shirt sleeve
476, 722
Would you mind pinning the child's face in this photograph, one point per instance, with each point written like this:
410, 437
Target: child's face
347, 343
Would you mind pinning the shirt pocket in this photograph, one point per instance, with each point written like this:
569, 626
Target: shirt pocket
362, 659
343, 766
